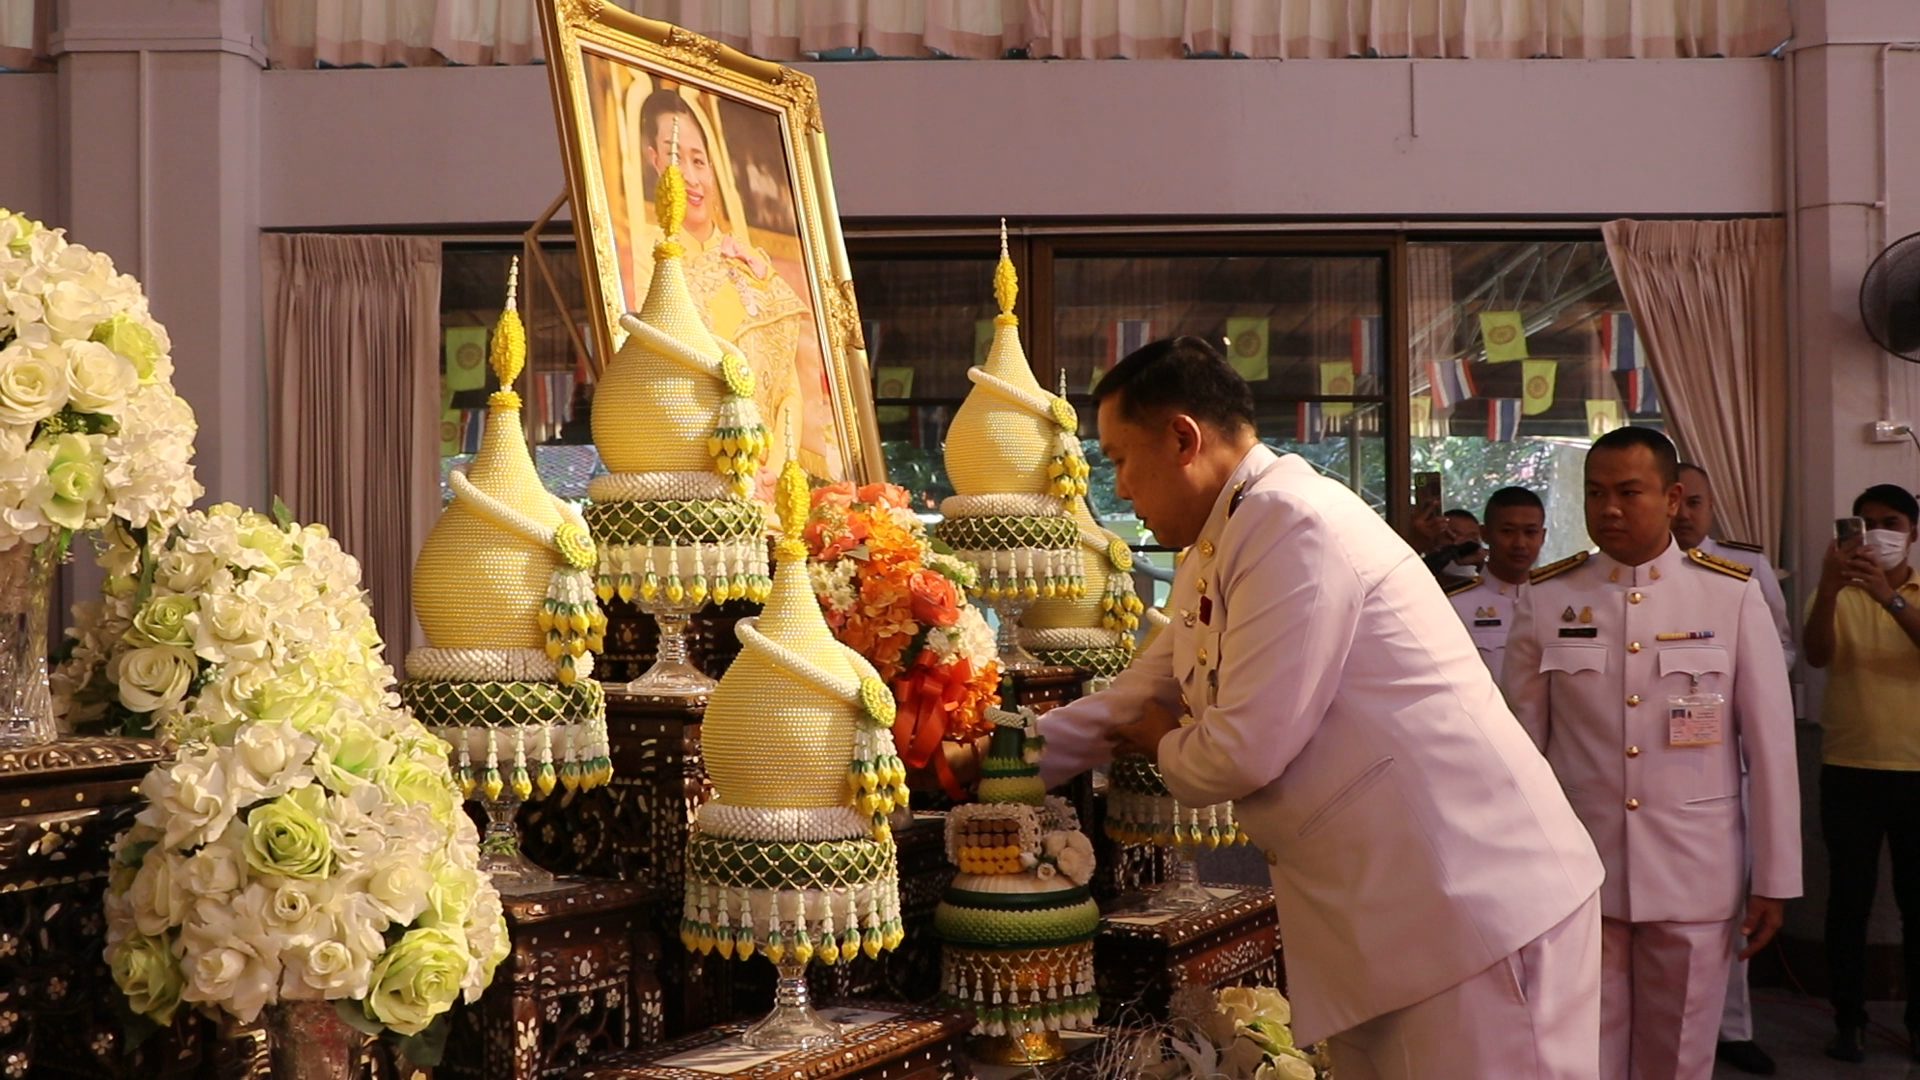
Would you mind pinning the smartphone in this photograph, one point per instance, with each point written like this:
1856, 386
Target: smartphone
1426, 494
1847, 532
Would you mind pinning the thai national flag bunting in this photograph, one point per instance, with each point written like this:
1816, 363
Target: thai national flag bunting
1129, 335
1370, 346
1312, 423
1450, 382
1621, 342
1503, 419
1642, 397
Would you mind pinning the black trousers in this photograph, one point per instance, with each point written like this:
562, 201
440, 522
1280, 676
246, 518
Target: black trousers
1860, 809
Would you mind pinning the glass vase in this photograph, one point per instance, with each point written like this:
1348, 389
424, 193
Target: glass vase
307, 1040
793, 1024
500, 855
1182, 890
1013, 656
672, 673
26, 702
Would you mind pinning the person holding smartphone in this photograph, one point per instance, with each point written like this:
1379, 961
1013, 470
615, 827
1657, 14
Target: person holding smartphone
1864, 628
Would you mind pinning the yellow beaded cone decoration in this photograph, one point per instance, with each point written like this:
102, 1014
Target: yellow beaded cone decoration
1094, 630
1013, 453
793, 856
675, 422
504, 592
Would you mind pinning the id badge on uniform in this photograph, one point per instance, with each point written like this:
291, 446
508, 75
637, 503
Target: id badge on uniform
1695, 720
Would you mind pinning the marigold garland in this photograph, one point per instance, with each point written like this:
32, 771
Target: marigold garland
892, 596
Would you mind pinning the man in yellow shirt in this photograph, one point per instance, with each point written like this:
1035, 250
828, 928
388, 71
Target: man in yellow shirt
1864, 628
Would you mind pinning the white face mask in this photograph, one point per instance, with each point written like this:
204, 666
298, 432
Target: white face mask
1887, 546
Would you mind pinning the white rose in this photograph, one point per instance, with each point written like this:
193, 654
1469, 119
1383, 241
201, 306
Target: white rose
323, 970
183, 571
229, 627
188, 801
159, 897
217, 868
398, 887
73, 308
153, 677
33, 384
98, 379
232, 975
274, 757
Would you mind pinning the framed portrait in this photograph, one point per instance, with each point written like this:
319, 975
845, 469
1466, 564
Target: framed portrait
765, 259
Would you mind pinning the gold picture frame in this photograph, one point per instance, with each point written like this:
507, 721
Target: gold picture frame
766, 259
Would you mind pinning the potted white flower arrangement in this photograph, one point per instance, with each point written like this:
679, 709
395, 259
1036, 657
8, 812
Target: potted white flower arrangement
91, 434
306, 849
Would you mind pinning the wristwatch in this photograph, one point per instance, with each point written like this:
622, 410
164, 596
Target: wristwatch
1895, 603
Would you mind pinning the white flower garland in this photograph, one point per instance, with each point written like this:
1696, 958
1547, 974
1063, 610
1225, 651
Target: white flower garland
962, 506
490, 665
1053, 639
1041, 404
786, 825
657, 487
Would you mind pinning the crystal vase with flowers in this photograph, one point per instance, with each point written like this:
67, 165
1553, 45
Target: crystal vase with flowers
899, 599
305, 855
1235, 1033
91, 436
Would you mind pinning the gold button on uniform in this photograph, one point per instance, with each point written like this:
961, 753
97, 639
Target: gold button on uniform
1633, 699
1633, 646
1200, 586
1633, 751
1634, 598
1203, 656
1206, 548
1633, 804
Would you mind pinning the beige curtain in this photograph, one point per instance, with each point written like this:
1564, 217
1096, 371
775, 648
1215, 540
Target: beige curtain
23, 33
1708, 299
306, 33
353, 369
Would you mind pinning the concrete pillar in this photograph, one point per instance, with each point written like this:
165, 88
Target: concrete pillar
158, 115
1849, 84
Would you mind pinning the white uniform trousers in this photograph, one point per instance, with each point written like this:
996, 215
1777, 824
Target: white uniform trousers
1532, 1016
1736, 1019
1661, 993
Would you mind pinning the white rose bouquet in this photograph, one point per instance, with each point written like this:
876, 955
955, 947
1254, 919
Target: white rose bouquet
90, 428
307, 843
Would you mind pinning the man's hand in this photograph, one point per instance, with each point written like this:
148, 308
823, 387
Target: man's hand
1765, 915
1143, 735
1861, 570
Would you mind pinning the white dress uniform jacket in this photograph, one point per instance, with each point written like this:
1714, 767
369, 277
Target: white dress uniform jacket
1416, 837
1590, 678
1769, 579
1486, 607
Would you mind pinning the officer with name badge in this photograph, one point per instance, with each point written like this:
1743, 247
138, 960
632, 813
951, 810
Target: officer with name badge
1649, 675
1514, 528
1440, 896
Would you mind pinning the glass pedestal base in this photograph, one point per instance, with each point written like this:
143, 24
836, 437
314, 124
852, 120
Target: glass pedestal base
672, 674
793, 1024
1182, 890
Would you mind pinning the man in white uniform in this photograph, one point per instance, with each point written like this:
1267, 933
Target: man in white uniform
1693, 528
1516, 526
1437, 892
1649, 676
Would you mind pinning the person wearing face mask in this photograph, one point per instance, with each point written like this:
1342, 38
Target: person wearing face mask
1516, 528
1864, 628
1651, 678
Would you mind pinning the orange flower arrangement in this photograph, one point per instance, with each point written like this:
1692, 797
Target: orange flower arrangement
891, 594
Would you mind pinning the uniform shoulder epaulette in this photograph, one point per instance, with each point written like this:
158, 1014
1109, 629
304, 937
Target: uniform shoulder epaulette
1459, 587
1555, 569
1742, 545
1725, 566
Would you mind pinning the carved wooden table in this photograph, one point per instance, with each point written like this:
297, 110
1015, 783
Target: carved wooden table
884, 1042
580, 984
1140, 960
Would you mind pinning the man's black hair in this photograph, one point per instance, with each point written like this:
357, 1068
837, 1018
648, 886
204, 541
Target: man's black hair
1509, 497
1893, 497
1626, 438
1462, 512
1185, 375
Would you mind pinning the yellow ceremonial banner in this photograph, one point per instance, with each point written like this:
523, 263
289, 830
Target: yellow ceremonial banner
465, 349
1247, 348
1536, 386
1505, 336
1336, 380
892, 382
1420, 416
1602, 417
982, 340
449, 425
